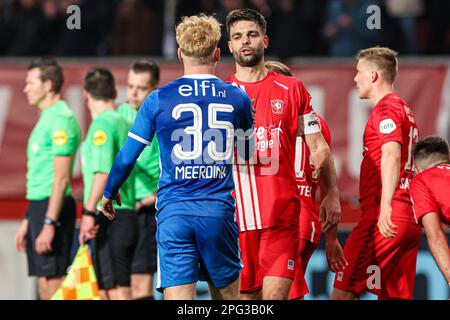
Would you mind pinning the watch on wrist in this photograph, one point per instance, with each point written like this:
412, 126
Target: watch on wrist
50, 221
87, 212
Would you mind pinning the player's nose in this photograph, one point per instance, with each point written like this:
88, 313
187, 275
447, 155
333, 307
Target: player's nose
245, 40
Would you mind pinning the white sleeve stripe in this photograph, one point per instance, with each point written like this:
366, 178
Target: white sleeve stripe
137, 138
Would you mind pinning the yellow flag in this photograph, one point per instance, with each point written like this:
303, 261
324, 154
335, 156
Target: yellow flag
80, 282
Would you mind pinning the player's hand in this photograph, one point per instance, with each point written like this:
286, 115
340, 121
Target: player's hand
335, 256
330, 211
88, 229
108, 206
20, 238
45, 239
385, 225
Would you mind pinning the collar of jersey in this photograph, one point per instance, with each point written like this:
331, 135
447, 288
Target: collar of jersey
200, 76
54, 106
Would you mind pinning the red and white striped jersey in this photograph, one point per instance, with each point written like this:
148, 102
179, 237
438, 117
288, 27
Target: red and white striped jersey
265, 186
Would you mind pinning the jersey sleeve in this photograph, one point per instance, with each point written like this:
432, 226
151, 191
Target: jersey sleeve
388, 122
422, 198
325, 130
153, 168
308, 123
143, 128
103, 151
66, 136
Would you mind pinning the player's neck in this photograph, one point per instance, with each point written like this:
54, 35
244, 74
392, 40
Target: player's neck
98, 106
199, 69
49, 100
380, 92
433, 164
251, 74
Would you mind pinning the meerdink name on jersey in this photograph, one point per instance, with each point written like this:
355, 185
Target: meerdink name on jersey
200, 172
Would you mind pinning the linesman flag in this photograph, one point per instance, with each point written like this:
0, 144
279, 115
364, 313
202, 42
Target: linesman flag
80, 282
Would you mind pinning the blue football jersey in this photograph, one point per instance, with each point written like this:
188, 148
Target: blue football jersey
195, 119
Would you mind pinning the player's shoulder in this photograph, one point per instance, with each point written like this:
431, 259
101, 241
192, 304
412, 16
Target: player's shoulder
286, 82
63, 111
64, 116
152, 98
394, 102
107, 120
232, 87
435, 171
426, 176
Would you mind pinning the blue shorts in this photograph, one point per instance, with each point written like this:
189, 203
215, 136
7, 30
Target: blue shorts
197, 248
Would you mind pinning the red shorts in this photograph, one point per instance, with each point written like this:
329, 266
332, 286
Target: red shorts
267, 252
310, 226
299, 287
367, 252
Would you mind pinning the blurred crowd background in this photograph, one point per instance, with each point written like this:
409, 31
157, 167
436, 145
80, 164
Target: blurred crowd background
335, 28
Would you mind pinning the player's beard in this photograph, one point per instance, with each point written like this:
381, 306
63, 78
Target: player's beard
249, 61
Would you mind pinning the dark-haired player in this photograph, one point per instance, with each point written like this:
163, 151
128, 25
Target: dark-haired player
430, 194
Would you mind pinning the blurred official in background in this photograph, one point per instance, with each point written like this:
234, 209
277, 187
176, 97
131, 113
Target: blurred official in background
114, 241
47, 230
143, 78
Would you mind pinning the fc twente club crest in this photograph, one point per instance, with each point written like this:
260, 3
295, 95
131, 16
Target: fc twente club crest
277, 106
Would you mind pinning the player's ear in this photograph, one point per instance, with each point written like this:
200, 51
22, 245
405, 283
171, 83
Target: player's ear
266, 41
86, 96
48, 84
375, 76
179, 54
115, 94
217, 55
230, 48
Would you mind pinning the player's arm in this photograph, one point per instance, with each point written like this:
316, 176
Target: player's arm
333, 250
437, 241
98, 185
330, 209
390, 171
62, 167
65, 138
88, 227
120, 171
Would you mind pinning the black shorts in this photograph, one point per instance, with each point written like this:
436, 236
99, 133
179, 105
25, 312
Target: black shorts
113, 249
144, 260
56, 262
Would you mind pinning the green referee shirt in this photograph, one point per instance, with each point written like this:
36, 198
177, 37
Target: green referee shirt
147, 165
106, 135
57, 133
